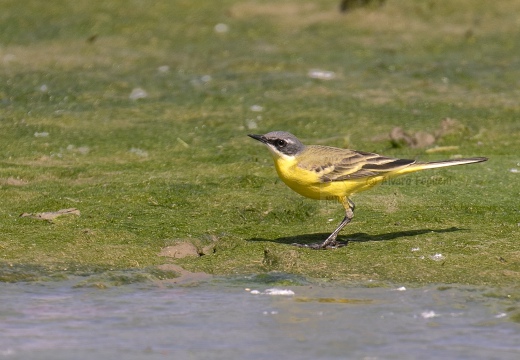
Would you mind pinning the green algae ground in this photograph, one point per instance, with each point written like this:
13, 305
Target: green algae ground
136, 114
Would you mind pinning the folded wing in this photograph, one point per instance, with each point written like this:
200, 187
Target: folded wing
343, 164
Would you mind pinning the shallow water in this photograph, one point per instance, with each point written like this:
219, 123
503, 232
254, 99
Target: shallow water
220, 319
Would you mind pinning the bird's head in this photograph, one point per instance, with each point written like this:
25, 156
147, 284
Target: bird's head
281, 143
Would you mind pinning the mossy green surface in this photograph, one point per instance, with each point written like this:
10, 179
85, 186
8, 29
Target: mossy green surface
177, 164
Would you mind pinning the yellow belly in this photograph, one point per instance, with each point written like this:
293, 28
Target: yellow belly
307, 183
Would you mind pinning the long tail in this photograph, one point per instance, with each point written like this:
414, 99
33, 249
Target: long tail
437, 164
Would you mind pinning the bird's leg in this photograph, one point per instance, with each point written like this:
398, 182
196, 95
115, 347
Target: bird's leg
349, 214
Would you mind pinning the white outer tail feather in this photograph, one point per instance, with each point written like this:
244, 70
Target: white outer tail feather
438, 164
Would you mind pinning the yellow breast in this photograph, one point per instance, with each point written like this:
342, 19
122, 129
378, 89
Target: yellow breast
307, 182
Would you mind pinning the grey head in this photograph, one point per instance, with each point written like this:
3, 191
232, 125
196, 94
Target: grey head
281, 142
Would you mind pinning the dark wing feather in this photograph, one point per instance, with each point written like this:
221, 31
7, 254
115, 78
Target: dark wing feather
343, 164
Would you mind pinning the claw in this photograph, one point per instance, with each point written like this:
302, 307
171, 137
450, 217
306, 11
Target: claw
318, 246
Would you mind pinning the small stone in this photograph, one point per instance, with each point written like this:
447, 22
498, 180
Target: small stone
221, 28
163, 69
180, 250
41, 134
437, 257
321, 74
138, 93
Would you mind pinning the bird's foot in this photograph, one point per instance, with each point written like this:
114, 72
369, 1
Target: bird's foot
323, 246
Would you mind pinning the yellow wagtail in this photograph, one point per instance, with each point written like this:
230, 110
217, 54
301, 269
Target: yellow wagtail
329, 173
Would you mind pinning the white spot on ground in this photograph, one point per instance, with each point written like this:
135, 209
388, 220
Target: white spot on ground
221, 28
321, 74
138, 93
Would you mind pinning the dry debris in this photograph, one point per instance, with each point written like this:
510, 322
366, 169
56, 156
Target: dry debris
51, 215
422, 139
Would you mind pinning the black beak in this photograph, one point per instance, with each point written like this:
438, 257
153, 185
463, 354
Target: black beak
260, 138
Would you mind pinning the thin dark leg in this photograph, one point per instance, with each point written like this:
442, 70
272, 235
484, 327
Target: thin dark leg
331, 242
349, 214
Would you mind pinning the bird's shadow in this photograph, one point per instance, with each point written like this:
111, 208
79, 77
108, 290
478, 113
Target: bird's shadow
306, 239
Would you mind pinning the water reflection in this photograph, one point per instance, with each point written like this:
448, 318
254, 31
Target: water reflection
251, 317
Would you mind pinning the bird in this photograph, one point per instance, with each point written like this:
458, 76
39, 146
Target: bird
330, 173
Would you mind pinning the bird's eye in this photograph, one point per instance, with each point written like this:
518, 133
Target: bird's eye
281, 143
